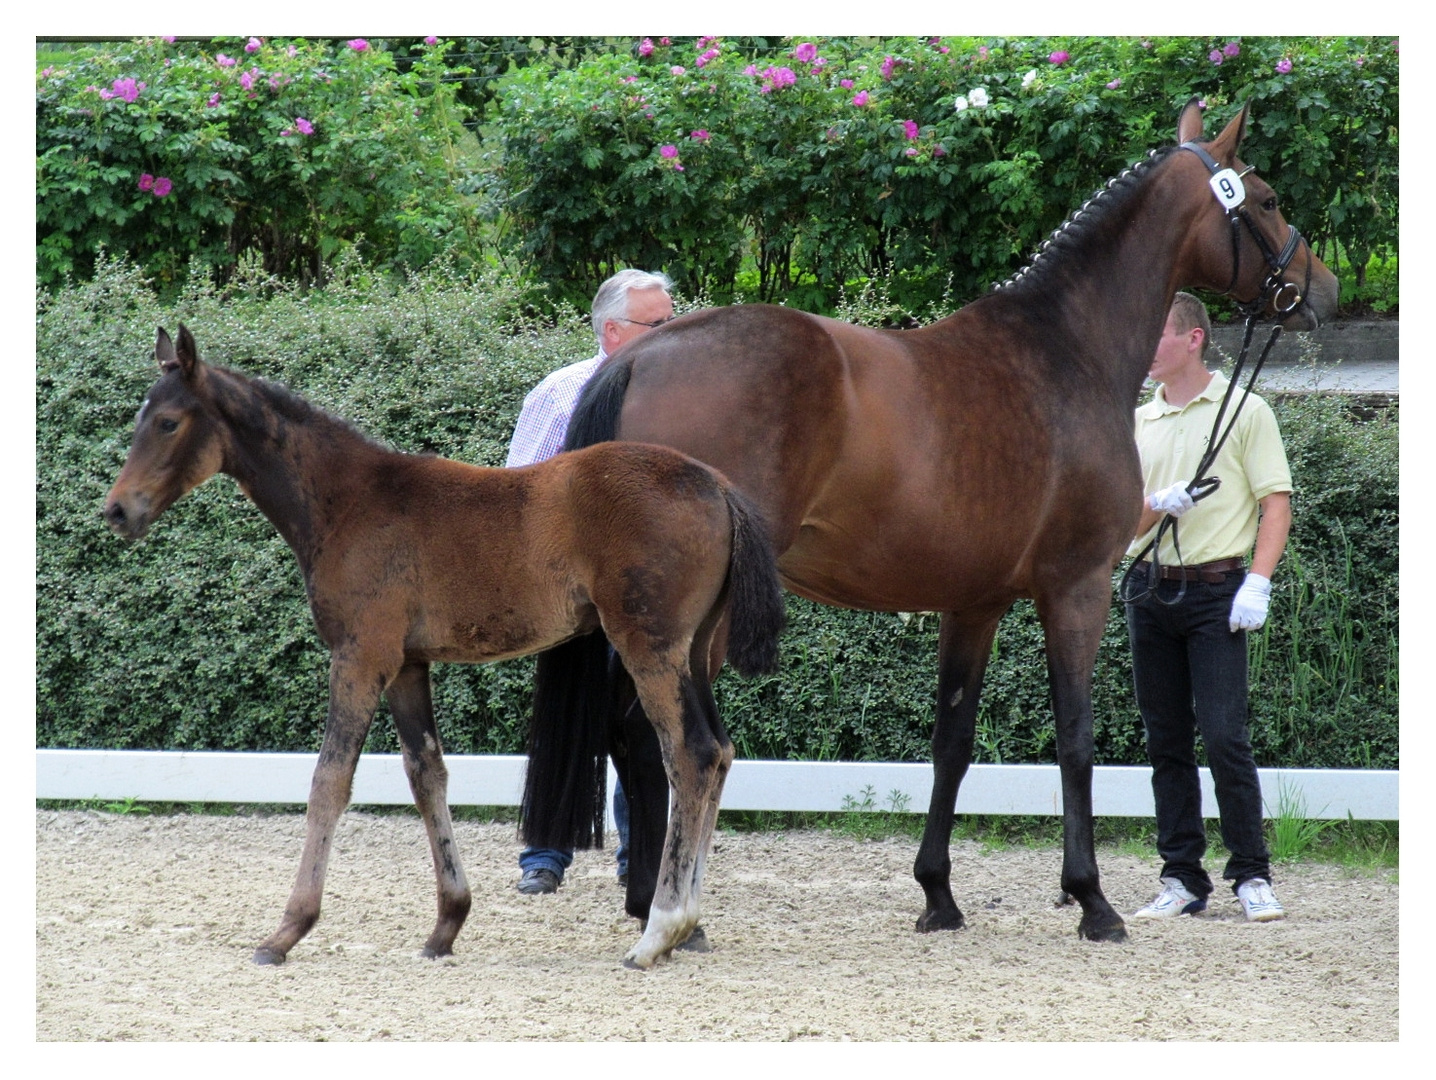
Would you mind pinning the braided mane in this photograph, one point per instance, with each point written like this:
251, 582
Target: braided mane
1082, 222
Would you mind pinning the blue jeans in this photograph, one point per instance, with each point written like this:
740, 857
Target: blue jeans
557, 861
1190, 672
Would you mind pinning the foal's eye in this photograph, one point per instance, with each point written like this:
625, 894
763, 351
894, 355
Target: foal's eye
168, 425
1270, 204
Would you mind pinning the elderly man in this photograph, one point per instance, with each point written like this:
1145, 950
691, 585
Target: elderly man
628, 304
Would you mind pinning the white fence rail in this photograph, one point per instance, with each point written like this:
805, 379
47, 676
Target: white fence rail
1117, 790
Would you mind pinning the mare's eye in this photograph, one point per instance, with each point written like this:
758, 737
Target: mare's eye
1270, 204
168, 426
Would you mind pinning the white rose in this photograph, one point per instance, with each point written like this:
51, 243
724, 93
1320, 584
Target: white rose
1029, 78
960, 104
978, 97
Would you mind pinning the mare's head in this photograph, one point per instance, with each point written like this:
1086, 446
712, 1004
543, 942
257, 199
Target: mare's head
178, 441
1244, 247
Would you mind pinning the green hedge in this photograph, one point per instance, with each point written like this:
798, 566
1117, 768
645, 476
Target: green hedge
199, 637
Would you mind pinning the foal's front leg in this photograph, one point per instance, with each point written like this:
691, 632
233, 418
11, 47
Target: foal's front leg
413, 711
353, 696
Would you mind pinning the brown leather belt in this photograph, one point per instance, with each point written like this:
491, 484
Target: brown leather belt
1210, 573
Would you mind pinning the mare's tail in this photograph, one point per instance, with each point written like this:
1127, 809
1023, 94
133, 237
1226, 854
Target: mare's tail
577, 692
595, 417
564, 785
756, 612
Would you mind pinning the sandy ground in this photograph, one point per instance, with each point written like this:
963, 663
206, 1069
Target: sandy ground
144, 928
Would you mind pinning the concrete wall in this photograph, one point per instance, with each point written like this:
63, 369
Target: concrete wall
1371, 342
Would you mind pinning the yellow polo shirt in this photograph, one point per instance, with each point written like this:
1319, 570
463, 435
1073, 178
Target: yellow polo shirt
1251, 465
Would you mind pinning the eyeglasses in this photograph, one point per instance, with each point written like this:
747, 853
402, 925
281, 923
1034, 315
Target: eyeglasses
650, 325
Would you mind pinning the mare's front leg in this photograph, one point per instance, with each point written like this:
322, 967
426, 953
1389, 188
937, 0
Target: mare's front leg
413, 710
697, 763
354, 688
1072, 622
963, 651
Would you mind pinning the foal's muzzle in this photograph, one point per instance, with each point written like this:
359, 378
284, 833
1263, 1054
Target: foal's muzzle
130, 523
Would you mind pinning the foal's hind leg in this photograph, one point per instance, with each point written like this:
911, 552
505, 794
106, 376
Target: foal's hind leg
413, 711
963, 651
696, 763
353, 695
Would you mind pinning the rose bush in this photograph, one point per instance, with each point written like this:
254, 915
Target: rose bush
292, 149
941, 161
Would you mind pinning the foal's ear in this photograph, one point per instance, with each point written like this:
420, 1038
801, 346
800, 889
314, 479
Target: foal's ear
184, 356
165, 352
1189, 124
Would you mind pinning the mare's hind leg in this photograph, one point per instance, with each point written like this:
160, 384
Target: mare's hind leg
1072, 623
413, 711
353, 695
963, 651
697, 763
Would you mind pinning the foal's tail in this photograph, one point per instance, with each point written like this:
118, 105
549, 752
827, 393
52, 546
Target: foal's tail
581, 689
756, 612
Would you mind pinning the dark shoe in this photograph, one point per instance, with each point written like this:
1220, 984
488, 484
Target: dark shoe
538, 881
623, 879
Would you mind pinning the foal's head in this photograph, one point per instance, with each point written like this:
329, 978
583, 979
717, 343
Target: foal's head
177, 443
1245, 248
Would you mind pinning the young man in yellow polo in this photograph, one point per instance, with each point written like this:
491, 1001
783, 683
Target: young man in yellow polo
1188, 629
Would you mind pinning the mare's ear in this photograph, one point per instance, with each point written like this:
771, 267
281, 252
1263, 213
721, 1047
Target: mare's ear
1224, 146
165, 352
1189, 124
187, 352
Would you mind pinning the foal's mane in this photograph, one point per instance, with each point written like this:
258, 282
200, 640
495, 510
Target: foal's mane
278, 399
1089, 218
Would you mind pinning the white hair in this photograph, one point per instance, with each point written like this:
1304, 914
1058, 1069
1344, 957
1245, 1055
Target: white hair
611, 300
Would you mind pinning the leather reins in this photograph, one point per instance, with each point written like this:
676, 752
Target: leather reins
1230, 192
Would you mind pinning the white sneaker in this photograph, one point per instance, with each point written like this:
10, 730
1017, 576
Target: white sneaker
1173, 900
1259, 902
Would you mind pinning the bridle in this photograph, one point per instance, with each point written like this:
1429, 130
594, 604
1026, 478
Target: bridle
1283, 296
1231, 193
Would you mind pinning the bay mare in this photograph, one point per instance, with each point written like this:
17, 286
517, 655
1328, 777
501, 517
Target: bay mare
961, 466
411, 560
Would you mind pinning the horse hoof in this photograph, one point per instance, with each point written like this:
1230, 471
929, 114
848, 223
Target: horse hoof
940, 920
1064, 899
430, 953
268, 957
697, 942
1109, 929
632, 962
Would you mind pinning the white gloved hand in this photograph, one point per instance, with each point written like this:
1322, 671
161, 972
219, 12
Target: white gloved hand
1250, 604
1175, 500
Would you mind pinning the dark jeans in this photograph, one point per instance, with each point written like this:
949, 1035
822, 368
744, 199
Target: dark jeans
558, 861
1190, 672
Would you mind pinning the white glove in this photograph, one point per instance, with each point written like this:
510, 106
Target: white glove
1250, 604
1174, 500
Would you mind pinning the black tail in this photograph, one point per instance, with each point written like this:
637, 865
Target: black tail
564, 785
756, 612
575, 697
595, 417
